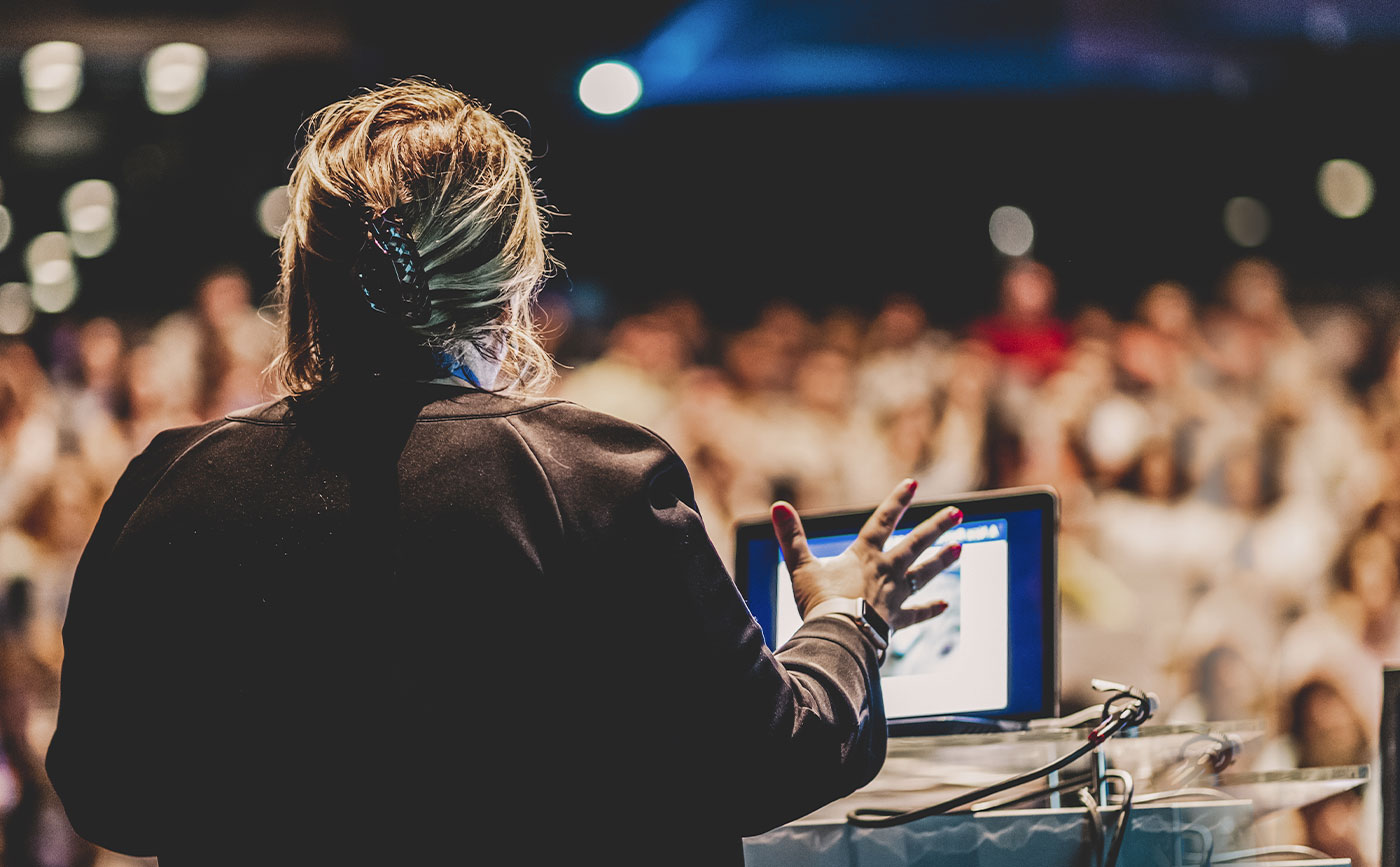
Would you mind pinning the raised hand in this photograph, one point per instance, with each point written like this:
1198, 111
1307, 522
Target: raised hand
883, 578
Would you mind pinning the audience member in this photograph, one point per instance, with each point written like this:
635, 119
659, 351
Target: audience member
1025, 331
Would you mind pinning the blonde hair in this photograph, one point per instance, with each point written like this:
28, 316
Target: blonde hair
460, 179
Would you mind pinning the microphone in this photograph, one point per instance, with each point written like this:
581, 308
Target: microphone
1189, 768
1144, 705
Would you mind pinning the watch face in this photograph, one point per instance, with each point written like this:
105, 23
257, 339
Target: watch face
875, 622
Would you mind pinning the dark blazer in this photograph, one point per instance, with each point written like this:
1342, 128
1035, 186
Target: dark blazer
390, 623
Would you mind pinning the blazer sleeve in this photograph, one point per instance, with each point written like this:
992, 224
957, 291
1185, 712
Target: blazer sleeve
104, 759
799, 729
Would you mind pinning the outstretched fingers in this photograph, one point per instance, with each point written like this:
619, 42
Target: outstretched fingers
792, 539
921, 537
924, 572
885, 518
906, 617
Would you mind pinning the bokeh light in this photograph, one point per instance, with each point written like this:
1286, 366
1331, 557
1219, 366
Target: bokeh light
273, 210
1247, 221
1115, 431
53, 75
610, 87
1326, 24
7, 227
1345, 188
174, 77
16, 309
53, 281
1011, 231
90, 213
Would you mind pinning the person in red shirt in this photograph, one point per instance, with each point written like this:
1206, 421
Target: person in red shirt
1025, 332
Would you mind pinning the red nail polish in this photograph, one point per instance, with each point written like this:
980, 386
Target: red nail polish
911, 484
957, 515
955, 548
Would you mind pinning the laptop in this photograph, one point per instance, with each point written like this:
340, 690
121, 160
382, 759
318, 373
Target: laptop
987, 663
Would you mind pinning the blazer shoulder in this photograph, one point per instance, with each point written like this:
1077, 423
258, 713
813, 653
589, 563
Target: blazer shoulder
170, 445
593, 459
270, 412
566, 419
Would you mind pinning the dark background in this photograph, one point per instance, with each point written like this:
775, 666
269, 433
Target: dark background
1122, 128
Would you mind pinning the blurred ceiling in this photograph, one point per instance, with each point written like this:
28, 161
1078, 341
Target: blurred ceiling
804, 147
727, 48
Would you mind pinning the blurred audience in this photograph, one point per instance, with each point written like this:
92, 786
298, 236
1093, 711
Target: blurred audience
1228, 474
66, 434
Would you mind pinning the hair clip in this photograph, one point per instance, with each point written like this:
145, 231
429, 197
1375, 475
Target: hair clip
389, 271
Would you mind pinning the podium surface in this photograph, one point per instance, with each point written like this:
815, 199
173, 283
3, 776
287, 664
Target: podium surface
1183, 814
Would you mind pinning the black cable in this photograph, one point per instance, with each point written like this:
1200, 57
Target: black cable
870, 817
1091, 807
1207, 843
1219, 757
1112, 720
1125, 810
1068, 784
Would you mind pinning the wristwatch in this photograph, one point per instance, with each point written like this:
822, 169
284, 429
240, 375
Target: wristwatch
864, 615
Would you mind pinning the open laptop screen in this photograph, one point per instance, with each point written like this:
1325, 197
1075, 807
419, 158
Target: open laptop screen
992, 653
